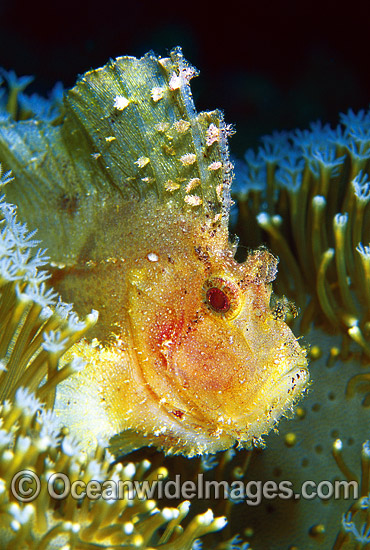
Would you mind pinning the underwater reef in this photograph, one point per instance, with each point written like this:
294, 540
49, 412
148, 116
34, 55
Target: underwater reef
303, 196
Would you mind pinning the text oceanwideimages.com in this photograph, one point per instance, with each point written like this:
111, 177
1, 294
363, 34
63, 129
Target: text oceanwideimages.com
26, 487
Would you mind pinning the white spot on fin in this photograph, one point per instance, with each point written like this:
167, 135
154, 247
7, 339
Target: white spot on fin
120, 102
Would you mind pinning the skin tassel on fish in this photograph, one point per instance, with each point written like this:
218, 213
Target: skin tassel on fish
130, 191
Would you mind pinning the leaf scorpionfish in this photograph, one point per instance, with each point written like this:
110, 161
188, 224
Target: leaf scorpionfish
130, 191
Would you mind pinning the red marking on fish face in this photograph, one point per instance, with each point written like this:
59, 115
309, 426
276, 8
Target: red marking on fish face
179, 414
166, 329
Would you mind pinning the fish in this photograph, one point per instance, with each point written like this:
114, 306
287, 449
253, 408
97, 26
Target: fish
129, 188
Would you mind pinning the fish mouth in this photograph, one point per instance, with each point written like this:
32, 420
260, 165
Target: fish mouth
275, 399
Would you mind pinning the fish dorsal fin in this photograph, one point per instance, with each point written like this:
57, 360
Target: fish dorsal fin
140, 117
129, 130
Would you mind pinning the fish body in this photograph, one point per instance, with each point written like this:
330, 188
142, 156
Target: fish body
188, 354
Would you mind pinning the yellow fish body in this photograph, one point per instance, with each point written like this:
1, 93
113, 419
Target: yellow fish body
134, 191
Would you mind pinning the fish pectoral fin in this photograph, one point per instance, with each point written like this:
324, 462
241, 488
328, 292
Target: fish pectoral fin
127, 441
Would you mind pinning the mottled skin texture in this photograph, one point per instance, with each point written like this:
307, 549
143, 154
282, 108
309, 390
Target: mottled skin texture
190, 378
130, 191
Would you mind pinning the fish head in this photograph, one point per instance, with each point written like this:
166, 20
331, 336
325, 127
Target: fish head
214, 354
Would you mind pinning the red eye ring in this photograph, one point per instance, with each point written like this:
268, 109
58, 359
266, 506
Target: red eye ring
218, 300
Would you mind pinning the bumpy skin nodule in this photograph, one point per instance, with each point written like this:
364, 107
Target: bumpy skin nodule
134, 196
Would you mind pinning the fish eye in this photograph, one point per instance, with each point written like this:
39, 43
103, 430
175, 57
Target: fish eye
222, 296
217, 299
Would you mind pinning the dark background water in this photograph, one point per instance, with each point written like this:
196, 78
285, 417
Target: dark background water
268, 65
